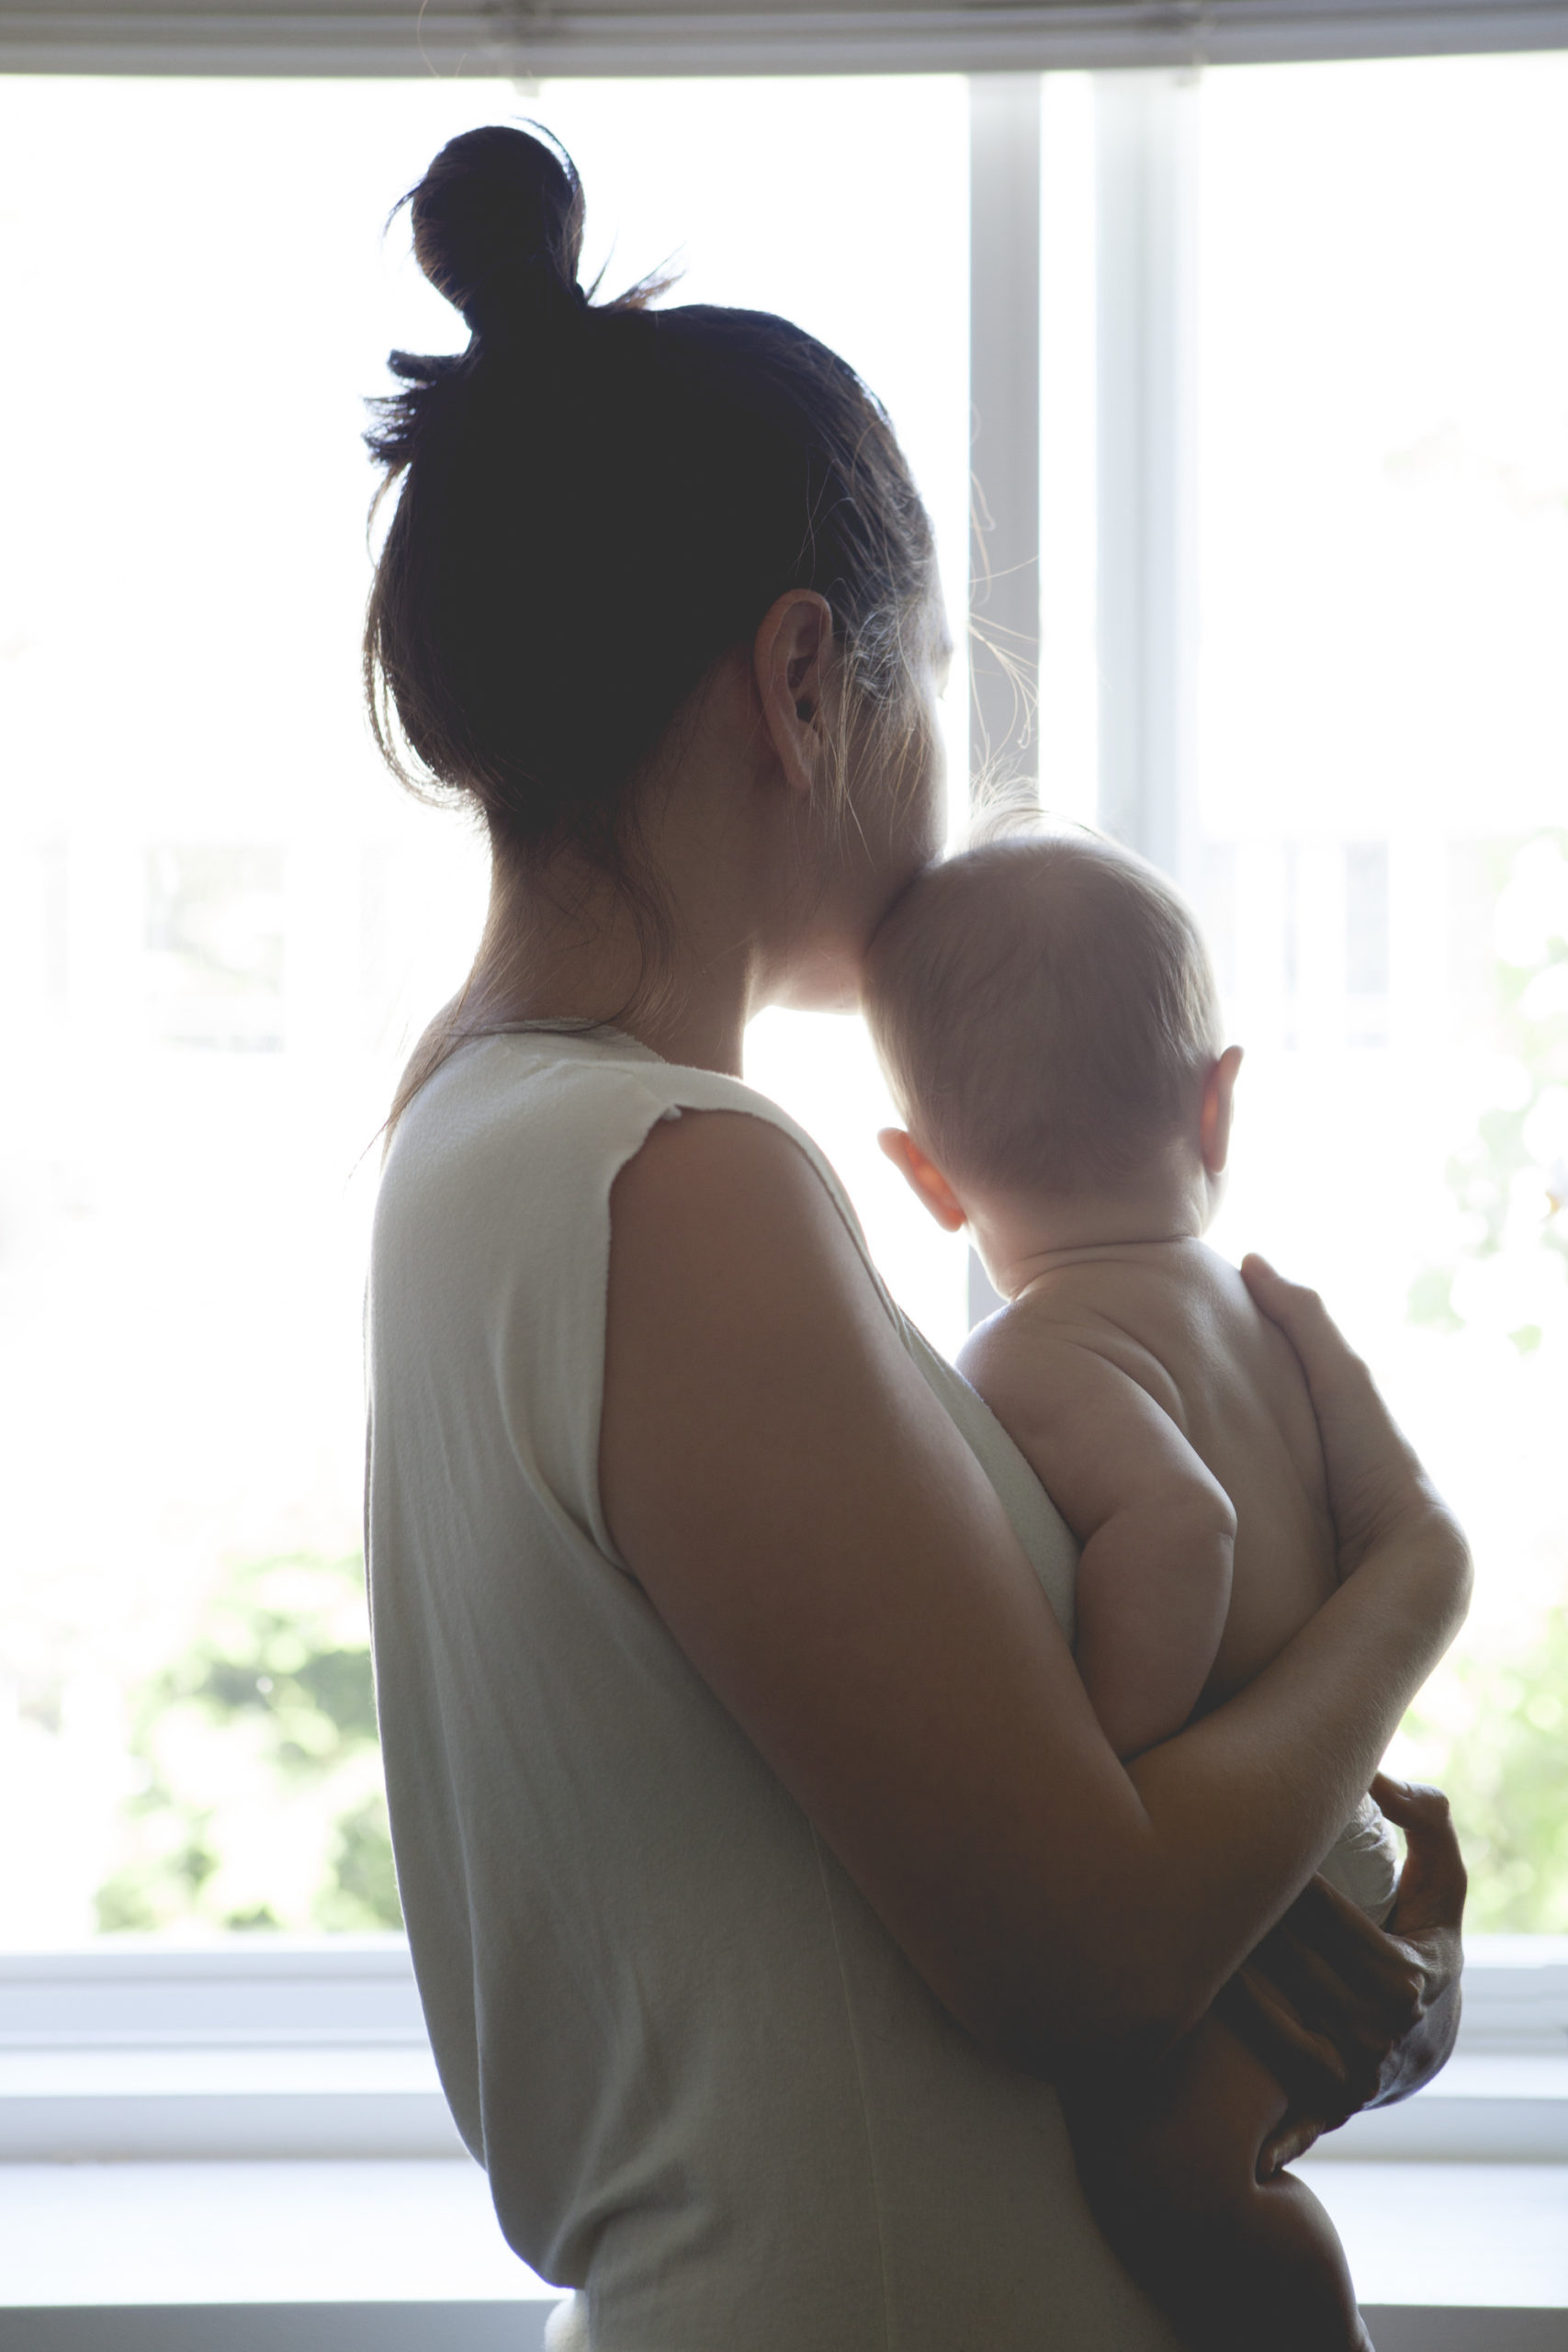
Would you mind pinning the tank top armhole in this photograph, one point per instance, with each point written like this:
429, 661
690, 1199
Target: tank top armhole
664, 1092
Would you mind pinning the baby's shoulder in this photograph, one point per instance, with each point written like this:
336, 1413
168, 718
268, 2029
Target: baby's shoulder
1044, 1340
1239, 1377
1224, 1321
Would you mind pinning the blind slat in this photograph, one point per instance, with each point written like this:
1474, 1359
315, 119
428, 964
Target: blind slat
639, 36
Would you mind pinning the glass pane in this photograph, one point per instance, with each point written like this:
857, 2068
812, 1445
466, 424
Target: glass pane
1385, 805
221, 926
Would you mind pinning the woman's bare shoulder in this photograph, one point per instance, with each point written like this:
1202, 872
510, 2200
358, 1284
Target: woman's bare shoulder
728, 1202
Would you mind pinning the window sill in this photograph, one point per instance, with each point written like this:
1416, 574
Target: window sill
144, 2235
316, 2048
375, 2231
283, 2047
140, 2086
401, 2255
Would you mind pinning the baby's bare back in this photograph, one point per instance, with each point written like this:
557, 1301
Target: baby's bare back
1177, 1320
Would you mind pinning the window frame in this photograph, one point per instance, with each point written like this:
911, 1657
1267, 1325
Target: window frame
643, 37
315, 2047
164, 2006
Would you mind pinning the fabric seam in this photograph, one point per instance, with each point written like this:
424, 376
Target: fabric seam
876, 2201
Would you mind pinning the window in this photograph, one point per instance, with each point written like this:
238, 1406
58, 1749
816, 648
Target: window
1335, 599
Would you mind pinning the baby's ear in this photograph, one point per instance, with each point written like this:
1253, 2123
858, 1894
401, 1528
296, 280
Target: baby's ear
1219, 1095
924, 1178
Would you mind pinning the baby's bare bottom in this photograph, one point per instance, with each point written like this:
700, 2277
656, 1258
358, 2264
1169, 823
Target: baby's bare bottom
1239, 2264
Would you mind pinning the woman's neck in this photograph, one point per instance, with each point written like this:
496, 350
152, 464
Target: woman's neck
590, 962
680, 957
733, 898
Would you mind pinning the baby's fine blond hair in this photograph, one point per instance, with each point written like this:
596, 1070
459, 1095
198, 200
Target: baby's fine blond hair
1046, 1012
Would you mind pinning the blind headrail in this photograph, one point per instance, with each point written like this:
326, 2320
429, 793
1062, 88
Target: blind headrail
516, 37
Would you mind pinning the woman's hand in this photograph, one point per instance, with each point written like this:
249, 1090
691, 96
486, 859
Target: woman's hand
1426, 1921
1346, 2015
1377, 1489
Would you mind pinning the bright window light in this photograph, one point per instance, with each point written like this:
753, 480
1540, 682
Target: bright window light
222, 924
1383, 395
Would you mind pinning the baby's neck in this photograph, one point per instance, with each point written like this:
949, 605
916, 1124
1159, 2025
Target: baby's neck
1020, 1236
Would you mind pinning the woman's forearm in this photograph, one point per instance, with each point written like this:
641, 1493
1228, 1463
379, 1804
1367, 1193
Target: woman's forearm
1278, 1769
1281, 1766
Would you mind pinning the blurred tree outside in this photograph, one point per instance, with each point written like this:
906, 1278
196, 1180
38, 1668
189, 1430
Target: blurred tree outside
262, 1805
1492, 1728
1495, 1732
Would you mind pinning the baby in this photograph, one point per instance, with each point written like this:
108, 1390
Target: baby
1046, 1015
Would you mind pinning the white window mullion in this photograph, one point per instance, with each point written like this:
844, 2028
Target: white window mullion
1145, 427
1004, 423
1004, 406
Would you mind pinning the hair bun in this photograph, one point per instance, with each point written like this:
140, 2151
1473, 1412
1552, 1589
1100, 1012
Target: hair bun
498, 226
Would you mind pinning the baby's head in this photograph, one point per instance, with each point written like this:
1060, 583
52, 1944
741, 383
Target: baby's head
1047, 1015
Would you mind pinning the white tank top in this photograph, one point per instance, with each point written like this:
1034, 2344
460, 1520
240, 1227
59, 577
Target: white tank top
708, 2089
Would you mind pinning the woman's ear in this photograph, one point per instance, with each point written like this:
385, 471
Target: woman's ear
1214, 1121
924, 1178
791, 655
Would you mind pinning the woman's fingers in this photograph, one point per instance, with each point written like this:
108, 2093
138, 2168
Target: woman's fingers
1345, 2014
1425, 1924
1372, 1473
1364, 2016
1320, 2002
1308, 2064
1329, 2002
1433, 1884
1356, 1984
1305, 1320
1294, 2137
1375, 1483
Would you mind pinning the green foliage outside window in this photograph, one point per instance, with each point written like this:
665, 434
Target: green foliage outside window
1503, 1766
261, 1806
1497, 1735
1510, 1179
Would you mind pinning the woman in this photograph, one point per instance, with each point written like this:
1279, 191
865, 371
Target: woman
764, 1863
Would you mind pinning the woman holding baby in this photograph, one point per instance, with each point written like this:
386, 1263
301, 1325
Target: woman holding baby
768, 1871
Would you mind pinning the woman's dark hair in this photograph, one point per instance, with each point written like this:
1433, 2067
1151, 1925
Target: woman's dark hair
595, 502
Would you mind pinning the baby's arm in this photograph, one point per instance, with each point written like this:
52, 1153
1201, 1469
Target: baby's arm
1157, 1529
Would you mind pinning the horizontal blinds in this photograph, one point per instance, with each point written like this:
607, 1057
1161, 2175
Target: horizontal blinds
513, 36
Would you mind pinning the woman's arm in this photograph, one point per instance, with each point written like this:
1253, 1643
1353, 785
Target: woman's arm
829, 1553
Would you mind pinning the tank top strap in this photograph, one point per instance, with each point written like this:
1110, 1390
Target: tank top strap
700, 1090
